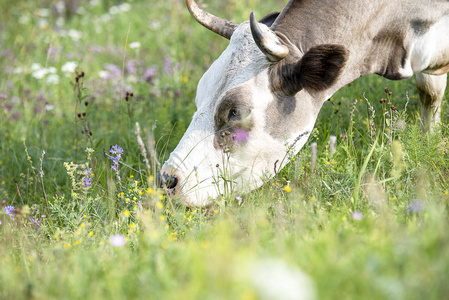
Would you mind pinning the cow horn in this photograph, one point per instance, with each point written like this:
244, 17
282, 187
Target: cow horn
267, 43
220, 26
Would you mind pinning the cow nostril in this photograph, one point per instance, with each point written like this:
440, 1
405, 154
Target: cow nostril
171, 182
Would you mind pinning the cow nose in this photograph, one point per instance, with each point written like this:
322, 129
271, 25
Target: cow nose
171, 182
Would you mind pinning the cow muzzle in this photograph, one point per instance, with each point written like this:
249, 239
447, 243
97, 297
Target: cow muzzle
169, 180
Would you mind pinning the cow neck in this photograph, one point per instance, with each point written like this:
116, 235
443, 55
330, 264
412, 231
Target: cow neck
369, 30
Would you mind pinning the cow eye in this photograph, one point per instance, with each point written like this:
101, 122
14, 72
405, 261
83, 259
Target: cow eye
233, 114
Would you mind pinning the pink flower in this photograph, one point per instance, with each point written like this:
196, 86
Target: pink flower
241, 136
357, 215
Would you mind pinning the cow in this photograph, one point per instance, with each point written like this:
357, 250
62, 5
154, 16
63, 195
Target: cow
261, 97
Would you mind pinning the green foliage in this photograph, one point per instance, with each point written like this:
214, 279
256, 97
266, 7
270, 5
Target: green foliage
367, 221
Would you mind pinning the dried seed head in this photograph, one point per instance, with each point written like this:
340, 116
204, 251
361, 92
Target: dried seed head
387, 90
343, 136
218, 165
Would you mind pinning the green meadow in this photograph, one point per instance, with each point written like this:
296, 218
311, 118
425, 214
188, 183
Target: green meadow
82, 217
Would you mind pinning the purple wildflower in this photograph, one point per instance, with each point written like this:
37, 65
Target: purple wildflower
117, 240
133, 66
10, 211
36, 222
415, 206
357, 215
241, 136
150, 74
87, 180
114, 72
168, 65
238, 198
116, 150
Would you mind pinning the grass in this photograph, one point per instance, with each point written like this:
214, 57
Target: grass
369, 222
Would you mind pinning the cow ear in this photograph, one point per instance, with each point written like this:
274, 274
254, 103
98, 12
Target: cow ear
270, 18
319, 68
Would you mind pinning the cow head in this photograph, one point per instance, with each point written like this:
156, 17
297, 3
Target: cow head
256, 106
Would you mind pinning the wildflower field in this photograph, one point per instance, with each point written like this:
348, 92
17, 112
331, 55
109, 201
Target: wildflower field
81, 216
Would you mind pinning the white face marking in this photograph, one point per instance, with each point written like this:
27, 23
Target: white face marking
244, 67
431, 50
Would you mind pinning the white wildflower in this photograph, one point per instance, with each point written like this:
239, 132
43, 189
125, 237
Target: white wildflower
24, 19
124, 7
103, 74
81, 10
52, 79
75, 34
114, 10
36, 66
105, 18
60, 21
69, 67
60, 6
49, 107
42, 23
39, 74
43, 12
134, 45
274, 279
